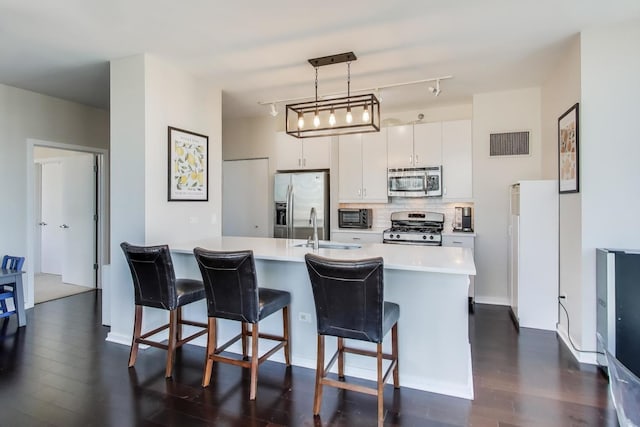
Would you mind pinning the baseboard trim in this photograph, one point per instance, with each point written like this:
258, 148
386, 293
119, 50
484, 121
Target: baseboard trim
588, 358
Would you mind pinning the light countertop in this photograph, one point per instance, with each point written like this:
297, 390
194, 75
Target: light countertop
435, 259
358, 230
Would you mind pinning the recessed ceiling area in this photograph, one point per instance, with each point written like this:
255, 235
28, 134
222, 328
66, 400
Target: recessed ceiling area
258, 51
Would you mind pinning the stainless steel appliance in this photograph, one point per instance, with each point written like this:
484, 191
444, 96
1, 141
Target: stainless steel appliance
617, 298
415, 182
467, 219
355, 218
294, 195
415, 228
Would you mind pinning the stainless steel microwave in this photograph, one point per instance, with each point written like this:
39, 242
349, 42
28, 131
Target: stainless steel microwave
415, 182
355, 218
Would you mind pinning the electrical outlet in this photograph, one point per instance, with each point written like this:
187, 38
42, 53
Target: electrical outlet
563, 295
304, 317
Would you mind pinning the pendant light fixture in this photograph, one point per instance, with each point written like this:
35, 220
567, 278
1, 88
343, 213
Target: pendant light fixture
334, 116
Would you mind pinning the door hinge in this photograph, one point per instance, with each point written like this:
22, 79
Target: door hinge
95, 168
95, 217
95, 266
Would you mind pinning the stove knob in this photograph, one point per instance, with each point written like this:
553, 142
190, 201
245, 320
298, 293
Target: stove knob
430, 237
424, 237
397, 236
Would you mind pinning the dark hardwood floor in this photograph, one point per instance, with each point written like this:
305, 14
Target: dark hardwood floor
60, 371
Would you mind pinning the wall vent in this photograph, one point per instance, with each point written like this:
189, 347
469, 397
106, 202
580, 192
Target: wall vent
509, 144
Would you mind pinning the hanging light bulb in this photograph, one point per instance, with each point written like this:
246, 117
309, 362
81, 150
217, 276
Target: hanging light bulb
349, 116
300, 120
316, 119
365, 114
332, 118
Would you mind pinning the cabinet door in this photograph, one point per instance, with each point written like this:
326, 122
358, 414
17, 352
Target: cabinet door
427, 144
374, 167
457, 162
400, 146
288, 152
316, 153
458, 241
350, 168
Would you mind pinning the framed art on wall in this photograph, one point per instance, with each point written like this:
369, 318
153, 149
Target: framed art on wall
568, 158
188, 166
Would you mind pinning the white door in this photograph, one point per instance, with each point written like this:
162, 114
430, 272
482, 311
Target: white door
78, 220
245, 198
52, 236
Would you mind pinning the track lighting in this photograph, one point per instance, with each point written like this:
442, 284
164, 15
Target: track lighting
273, 110
435, 90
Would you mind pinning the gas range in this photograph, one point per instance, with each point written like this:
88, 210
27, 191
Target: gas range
415, 228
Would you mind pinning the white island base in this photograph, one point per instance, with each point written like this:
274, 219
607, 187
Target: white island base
430, 284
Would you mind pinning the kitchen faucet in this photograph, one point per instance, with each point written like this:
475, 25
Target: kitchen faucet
313, 220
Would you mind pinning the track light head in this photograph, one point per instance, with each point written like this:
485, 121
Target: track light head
273, 110
435, 90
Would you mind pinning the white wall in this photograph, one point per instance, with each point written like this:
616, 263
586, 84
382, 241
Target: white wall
559, 93
609, 152
148, 94
499, 112
175, 98
29, 115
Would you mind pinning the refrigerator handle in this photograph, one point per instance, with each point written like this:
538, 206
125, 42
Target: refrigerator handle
290, 206
288, 212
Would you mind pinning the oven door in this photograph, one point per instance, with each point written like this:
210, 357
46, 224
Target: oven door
407, 184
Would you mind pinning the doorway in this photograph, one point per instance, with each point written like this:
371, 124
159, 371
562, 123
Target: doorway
66, 220
66, 208
245, 198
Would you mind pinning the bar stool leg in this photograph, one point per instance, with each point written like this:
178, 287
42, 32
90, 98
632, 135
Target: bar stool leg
341, 358
179, 324
171, 349
285, 333
380, 388
211, 349
137, 327
317, 400
254, 361
244, 340
394, 353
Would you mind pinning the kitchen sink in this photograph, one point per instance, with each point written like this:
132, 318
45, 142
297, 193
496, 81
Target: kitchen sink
323, 244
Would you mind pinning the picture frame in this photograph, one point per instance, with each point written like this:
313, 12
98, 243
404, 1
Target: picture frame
568, 151
188, 167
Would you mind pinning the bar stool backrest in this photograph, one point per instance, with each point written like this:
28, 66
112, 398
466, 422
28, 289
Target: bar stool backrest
230, 284
153, 276
10, 262
348, 296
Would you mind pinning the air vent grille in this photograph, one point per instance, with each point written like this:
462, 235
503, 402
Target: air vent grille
509, 144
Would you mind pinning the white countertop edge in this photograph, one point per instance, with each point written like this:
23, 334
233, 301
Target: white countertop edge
447, 260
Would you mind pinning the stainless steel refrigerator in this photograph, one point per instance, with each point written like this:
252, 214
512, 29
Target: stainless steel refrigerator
294, 195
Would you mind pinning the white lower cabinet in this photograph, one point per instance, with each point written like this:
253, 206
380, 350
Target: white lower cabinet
356, 237
363, 168
462, 241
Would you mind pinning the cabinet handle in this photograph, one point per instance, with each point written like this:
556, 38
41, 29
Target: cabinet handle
417, 161
456, 243
299, 162
355, 238
364, 192
304, 162
411, 159
359, 192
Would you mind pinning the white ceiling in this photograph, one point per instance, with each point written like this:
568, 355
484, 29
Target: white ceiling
258, 50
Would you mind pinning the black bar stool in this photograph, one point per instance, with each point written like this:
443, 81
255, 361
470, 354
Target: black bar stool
156, 286
232, 293
349, 304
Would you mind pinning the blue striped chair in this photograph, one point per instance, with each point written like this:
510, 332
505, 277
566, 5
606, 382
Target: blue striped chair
7, 291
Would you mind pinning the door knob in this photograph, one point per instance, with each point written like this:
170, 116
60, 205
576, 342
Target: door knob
42, 223
64, 226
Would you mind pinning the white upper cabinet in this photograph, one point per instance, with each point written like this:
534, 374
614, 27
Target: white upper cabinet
427, 144
457, 160
400, 146
308, 153
363, 168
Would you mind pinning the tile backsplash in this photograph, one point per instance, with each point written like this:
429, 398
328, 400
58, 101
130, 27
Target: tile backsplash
382, 212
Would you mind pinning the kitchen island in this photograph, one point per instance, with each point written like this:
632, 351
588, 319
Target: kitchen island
429, 283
